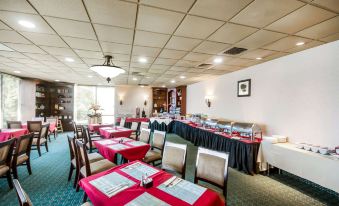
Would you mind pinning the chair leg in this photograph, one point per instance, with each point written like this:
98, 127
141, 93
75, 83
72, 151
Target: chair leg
15, 172
39, 151
9, 179
78, 187
46, 145
76, 178
55, 134
29, 169
84, 199
70, 172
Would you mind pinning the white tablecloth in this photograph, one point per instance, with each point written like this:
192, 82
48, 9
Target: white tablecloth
320, 169
160, 120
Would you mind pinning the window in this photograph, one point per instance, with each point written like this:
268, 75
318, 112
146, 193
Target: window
87, 95
9, 98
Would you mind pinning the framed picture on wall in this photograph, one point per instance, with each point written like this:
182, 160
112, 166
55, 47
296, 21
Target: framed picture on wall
244, 88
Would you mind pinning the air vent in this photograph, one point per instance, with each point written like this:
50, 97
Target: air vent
204, 66
145, 85
135, 73
235, 51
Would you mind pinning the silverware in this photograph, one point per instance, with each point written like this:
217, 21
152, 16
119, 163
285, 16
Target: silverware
171, 182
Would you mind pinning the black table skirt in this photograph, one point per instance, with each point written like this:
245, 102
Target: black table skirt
242, 156
161, 126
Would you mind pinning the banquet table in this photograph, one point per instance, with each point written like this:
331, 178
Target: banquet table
161, 124
129, 149
7, 134
115, 131
96, 127
242, 153
52, 126
134, 192
129, 120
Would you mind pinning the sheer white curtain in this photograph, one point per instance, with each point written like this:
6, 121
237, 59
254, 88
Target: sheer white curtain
10, 105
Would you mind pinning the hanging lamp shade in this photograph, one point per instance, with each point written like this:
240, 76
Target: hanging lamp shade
108, 70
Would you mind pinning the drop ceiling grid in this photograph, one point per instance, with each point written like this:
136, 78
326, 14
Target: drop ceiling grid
154, 60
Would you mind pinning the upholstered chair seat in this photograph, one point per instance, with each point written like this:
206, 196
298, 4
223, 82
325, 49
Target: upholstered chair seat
21, 159
174, 158
152, 156
92, 157
3, 169
158, 142
97, 167
35, 141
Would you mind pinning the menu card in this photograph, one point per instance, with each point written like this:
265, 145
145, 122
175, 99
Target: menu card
138, 169
118, 146
105, 142
137, 143
122, 138
145, 199
182, 189
111, 184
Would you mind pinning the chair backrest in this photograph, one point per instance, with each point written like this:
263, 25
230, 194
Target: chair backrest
43, 132
122, 121
212, 167
145, 135
86, 135
34, 126
6, 150
41, 119
144, 125
71, 147
24, 200
23, 145
174, 157
14, 124
158, 140
52, 120
77, 130
83, 157
134, 126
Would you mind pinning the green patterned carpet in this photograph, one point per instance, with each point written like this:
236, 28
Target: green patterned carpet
48, 184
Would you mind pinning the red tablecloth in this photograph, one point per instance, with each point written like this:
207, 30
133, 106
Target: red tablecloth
52, 126
131, 153
115, 131
208, 198
131, 119
96, 127
7, 134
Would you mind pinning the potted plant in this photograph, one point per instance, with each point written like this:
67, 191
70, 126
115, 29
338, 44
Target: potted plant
94, 116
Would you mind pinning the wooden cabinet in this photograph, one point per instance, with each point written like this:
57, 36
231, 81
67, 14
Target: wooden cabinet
181, 100
159, 100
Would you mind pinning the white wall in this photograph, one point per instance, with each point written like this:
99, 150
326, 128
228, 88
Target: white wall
27, 99
296, 95
132, 96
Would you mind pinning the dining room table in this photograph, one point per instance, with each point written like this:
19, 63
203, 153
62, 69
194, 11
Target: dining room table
95, 127
129, 149
115, 131
6, 134
121, 185
52, 126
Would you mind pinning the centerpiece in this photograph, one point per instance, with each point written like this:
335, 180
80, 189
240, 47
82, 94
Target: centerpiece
94, 117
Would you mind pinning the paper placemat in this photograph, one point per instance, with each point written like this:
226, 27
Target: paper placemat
146, 199
137, 170
125, 139
183, 190
105, 142
118, 146
137, 143
111, 184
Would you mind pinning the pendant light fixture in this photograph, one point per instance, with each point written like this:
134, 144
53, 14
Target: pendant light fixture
108, 70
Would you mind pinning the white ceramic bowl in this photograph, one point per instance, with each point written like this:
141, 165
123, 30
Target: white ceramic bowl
323, 150
315, 148
307, 147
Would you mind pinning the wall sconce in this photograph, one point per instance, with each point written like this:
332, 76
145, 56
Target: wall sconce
208, 100
121, 96
145, 102
121, 103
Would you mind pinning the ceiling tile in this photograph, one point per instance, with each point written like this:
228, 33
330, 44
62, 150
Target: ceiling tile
304, 17
286, 43
59, 51
12, 54
4, 59
121, 35
5, 48
238, 61
91, 61
172, 54
4, 27
41, 57
163, 61
182, 43
45, 39
305, 46
12, 37
321, 30
150, 39
65, 27
232, 33
218, 9
136, 59
158, 20
209, 47
176, 5
116, 48
145, 51
30, 48
263, 12
330, 38
62, 8
226, 67
90, 54
159, 67
140, 65
138, 70
186, 63
260, 38
258, 53
329, 4
16, 5
85, 44
179, 69
121, 57
197, 27
196, 57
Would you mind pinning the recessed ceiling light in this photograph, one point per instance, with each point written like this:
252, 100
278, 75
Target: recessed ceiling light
18, 72
142, 60
300, 43
142, 86
258, 58
163, 86
26, 24
57, 80
148, 77
68, 59
90, 76
135, 79
182, 77
173, 81
99, 84
217, 60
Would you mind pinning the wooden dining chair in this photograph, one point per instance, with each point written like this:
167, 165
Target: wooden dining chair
144, 135
144, 125
53, 120
174, 158
212, 167
23, 198
22, 154
14, 124
122, 122
41, 139
88, 138
77, 130
34, 127
134, 127
86, 167
92, 157
157, 147
6, 150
